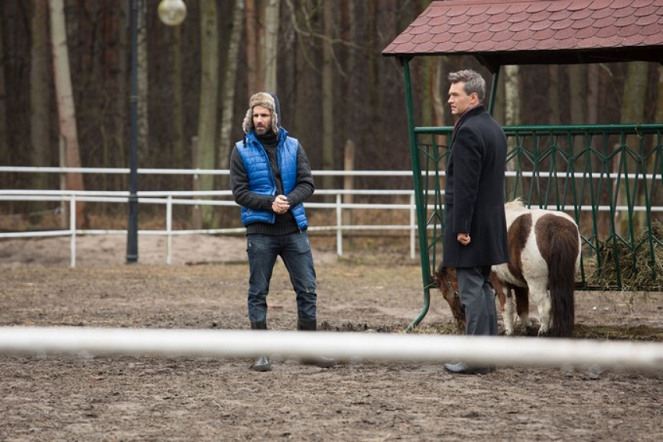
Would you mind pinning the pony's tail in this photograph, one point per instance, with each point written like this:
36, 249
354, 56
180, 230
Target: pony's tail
565, 249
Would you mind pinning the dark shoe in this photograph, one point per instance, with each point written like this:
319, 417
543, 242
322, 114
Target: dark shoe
307, 324
320, 361
461, 368
262, 362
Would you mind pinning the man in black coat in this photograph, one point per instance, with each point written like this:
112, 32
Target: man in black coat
475, 236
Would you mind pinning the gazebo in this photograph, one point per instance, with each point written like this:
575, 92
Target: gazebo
557, 167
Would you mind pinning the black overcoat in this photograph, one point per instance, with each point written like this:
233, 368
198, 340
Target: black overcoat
474, 192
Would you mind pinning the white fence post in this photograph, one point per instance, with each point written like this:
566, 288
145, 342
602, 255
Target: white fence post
72, 227
339, 226
413, 226
169, 229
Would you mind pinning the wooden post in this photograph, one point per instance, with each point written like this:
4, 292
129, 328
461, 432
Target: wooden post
64, 205
348, 181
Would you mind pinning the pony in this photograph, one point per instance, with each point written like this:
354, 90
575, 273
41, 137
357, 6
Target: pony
544, 256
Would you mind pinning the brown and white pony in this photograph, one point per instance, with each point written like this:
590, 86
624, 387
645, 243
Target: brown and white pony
544, 255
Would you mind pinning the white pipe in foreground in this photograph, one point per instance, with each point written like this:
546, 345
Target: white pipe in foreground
345, 346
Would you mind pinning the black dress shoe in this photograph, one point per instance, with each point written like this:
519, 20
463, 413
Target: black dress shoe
261, 364
461, 368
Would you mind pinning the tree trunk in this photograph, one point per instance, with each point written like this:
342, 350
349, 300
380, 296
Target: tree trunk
209, 85
350, 80
593, 78
658, 196
120, 115
179, 143
39, 96
593, 91
229, 83
427, 79
576, 92
65, 100
228, 99
633, 111
438, 93
374, 92
252, 60
553, 95
4, 134
659, 102
512, 84
328, 95
270, 53
512, 115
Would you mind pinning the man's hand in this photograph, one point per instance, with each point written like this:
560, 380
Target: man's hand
464, 238
280, 205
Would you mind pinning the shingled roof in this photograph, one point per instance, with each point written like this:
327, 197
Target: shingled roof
505, 32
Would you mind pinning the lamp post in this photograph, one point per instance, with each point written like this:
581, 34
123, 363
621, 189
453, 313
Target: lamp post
171, 13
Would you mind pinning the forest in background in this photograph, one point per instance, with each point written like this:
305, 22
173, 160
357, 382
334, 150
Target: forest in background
322, 58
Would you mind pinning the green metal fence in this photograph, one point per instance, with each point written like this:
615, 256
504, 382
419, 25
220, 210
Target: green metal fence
608, 177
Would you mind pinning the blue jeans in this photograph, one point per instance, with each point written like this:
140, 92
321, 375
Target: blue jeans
295, 251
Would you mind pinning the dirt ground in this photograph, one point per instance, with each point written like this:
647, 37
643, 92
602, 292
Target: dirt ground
91, 397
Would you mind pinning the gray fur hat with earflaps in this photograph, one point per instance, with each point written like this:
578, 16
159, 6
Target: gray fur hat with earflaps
264, 99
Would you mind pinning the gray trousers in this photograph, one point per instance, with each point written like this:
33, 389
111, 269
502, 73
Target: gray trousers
477, 297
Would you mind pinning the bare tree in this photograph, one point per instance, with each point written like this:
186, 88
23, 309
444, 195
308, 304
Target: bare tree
39, 92
229, 81
658, 197
576, 92
4, 142
328, 95
179, 143
209, 86
512, 109
253, 68
553, 95
593, 86
437, 93
121, 87
633, 111
270, 52
65, 100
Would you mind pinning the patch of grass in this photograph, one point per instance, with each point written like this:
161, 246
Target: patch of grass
636, 268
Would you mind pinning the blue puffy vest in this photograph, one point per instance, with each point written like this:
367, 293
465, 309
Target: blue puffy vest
261, 178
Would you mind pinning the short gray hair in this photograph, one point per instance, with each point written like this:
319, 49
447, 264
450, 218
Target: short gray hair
474, 82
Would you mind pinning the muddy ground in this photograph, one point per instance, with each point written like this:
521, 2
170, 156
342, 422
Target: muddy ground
91, 397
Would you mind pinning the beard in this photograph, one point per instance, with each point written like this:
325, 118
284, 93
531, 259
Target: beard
261, 130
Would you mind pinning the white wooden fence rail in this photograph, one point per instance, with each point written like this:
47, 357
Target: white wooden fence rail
170, 198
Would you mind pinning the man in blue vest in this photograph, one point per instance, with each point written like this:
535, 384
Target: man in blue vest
271, 178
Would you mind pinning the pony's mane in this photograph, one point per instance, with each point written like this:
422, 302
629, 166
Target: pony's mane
516, 205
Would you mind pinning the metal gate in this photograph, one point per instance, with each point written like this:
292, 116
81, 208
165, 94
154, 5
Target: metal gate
609, 178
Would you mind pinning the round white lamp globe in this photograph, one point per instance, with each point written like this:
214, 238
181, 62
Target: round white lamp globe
172, 12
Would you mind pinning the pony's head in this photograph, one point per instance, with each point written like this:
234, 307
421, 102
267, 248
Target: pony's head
447, 284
